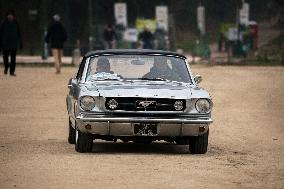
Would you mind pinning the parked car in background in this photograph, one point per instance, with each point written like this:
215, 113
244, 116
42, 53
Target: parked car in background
137, 96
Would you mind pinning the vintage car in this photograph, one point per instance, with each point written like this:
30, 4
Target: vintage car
139, 96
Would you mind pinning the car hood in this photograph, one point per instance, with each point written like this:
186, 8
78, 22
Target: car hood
146, 89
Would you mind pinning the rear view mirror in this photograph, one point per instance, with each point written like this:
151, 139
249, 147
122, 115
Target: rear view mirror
137, 62
197, 79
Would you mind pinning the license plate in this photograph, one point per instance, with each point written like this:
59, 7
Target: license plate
145, 129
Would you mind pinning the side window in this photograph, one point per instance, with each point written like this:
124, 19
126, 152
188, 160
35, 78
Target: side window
81, 69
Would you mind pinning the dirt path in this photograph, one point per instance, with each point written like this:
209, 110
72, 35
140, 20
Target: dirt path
246, 147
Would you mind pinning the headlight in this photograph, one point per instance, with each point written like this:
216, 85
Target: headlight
87, 103
178, 105
112, 104
203, 105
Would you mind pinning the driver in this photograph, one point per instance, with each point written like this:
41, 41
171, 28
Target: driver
160, 69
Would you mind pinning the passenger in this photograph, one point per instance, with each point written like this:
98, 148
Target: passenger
103, 65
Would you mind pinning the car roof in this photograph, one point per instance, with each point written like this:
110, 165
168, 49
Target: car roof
133, 52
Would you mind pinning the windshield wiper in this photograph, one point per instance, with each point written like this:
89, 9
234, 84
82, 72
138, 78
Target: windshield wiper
152, 79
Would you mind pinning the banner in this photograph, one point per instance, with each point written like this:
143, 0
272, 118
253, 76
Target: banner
142, 23
244, 14
130, 35
162, 17
120, 13
201, 19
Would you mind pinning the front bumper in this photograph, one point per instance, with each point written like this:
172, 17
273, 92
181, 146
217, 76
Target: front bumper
124, 126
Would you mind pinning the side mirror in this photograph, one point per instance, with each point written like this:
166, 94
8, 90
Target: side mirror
197, 79
70, 83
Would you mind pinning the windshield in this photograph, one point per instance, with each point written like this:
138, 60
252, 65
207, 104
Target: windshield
138, 67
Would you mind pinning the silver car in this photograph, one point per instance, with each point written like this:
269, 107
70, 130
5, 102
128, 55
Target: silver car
139, 96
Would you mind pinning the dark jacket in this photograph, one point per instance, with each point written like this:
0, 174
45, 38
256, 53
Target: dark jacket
10, 35
56, 35
109, 35
145, 36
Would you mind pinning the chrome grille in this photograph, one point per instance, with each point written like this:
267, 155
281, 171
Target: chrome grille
144, 104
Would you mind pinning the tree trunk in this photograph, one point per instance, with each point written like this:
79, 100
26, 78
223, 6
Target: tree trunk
281, 24
282, 47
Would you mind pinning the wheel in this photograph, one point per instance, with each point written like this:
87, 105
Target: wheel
72, 134
84, 142
199, 144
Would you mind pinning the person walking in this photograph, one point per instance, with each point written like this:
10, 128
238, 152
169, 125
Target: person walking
10, 41
56, 36
146, 37
109, 37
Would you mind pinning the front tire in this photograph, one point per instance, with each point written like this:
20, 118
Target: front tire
72, 134
84, 142
199, 144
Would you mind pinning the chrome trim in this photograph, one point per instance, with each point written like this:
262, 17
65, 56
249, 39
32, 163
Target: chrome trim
198, 120
119, 113
108, 127
210, 105
84, 75
127, 129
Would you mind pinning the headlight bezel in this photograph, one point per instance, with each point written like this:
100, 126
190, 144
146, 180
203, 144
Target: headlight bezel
198, 104
181, 104
87, 107
112, 101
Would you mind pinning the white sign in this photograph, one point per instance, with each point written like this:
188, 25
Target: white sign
120, 13
162, 17
232, 34
201, 19
131, 35
244, 14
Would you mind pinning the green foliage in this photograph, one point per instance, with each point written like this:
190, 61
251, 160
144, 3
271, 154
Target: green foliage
270, 52
196, 48
186, 46
225, 27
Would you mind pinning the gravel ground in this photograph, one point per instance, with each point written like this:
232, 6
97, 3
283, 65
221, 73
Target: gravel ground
246, 142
